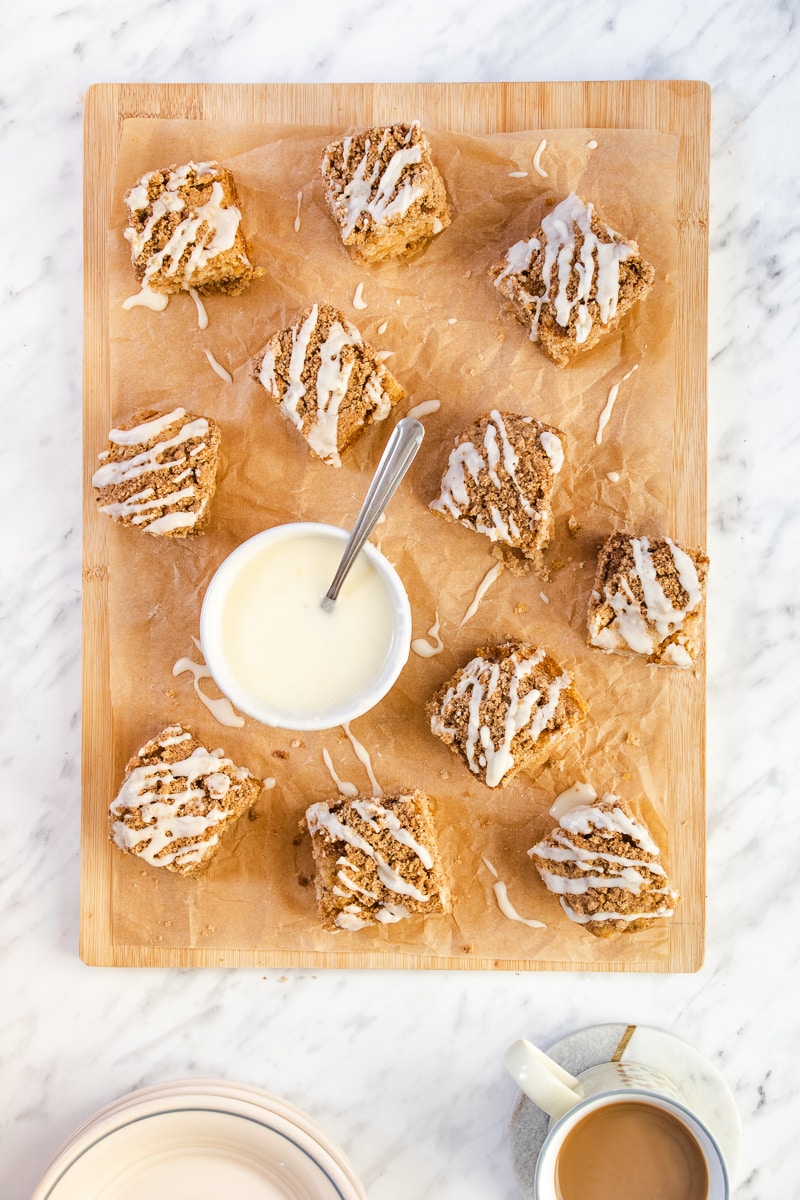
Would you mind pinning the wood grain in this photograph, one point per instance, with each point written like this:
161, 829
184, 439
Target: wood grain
678, 107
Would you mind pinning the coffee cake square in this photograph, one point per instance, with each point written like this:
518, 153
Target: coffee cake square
177, 801
648, 599
572, 281
185, 231
377, 860
384, 191
326, 380
506, 711
158, 472
499, 481
604, 866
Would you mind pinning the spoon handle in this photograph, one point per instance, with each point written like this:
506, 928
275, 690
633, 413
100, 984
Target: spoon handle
398, 456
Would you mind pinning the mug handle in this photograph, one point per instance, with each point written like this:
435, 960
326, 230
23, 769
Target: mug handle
544, 1081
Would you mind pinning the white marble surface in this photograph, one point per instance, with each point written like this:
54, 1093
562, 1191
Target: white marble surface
404, 1070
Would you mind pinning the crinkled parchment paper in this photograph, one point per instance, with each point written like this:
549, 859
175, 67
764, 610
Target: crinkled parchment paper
451, 341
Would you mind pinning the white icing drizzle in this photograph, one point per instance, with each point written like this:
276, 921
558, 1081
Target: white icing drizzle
161, 811
219, 224
503, 902
425, 649
384, 354
221, 709
586, 918
605, 415
383, 193
545, 599
587, 818
564, 885
596, 267
218, 368
579, 793
350, 921
452, 320
483, 587
297, 215
612, 476
269, 783
537, 159
677, 654
358, 298
384, 325
140, 506
342, 786
591, 144
425, 409
111, 473
551, 444
687, 574
389, 913
363, 757
147, 429
566, 851
202, 315
518, 259
518, 174
147, 298
532, 712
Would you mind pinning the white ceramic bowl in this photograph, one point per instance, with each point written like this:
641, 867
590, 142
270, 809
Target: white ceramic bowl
316, 715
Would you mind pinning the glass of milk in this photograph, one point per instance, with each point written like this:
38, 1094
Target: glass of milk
278, 655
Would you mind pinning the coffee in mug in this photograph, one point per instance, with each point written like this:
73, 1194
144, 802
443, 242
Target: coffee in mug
629, 1149
619, 1131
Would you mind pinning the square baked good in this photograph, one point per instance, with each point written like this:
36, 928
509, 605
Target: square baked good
648, 599
506, 711
571, 282
376, 859
177, 801
326, 380
159, 472
499, 481
185, 231
604, 866
384, 191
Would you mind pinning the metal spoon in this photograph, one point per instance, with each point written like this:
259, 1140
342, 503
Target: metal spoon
398, 456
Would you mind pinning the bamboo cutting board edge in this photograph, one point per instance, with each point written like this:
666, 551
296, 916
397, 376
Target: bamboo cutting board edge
680, 107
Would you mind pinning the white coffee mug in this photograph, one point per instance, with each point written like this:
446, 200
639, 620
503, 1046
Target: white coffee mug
568, 1100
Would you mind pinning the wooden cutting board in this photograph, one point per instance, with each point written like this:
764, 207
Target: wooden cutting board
680, 108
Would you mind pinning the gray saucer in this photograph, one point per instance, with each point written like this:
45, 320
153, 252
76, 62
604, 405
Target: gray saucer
706, 1092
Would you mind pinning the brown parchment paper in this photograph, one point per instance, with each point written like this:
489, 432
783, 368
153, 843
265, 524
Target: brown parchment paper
451, 341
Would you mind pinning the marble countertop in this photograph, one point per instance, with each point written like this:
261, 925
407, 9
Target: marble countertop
404, 1070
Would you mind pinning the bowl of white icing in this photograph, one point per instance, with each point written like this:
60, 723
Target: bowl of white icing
274, 651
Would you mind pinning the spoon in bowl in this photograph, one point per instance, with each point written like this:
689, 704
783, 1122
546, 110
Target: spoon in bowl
398, 456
